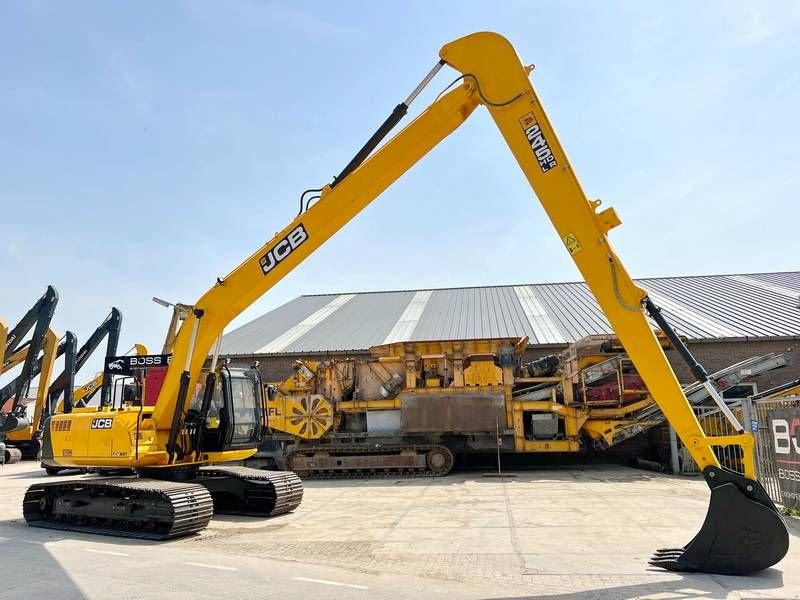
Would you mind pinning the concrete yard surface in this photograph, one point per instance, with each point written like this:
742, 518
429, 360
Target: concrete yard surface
578, 532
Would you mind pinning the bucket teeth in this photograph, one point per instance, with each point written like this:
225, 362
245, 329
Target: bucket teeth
669, 564
668, 552
669, 559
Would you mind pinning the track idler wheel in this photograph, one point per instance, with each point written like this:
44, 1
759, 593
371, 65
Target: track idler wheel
439, 460
743, 531
12, 455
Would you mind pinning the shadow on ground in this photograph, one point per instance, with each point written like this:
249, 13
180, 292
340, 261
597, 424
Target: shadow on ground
588, 474
688, 586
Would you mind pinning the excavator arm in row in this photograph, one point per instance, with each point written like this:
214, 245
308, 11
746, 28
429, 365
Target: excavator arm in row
38, 318
63, 384
75, 359
22, 422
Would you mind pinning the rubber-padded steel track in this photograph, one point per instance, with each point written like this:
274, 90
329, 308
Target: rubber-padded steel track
245, 491
429, 470
128, 507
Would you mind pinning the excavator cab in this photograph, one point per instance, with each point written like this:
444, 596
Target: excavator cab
234, 416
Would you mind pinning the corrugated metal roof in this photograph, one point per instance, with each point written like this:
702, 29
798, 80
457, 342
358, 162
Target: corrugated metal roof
699, 307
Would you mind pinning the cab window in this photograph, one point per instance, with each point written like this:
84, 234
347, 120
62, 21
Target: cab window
245, 410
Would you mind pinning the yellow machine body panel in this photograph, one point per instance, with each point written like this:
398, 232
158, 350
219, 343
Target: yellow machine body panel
124, 438
119, 438
307, 416
483, 371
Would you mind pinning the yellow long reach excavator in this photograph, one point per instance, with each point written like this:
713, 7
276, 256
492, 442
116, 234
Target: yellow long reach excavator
218, 417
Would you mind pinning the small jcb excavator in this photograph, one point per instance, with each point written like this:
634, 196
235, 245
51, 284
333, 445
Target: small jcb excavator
220, 419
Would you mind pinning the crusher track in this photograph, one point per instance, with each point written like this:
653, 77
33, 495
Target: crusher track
251, 492
357, 461
136, 508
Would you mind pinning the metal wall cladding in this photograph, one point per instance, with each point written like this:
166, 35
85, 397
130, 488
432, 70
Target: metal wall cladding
467, 412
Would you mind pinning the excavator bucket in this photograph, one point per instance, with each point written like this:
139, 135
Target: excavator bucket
743, 531
10, 423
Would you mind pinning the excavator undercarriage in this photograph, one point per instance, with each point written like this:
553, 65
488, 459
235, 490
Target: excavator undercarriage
161, 502
128, 507
159, 509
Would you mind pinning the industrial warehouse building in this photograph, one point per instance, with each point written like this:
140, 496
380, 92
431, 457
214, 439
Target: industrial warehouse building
725, 318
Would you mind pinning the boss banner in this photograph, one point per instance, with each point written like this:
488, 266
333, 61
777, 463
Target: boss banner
126, 365
784, 427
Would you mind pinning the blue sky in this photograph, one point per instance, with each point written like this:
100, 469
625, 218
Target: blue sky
148, 147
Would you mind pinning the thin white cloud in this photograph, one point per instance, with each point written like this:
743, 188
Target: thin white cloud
268, 16
758, 22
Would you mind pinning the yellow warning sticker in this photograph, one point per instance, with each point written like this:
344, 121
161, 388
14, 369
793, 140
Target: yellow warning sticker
572, 243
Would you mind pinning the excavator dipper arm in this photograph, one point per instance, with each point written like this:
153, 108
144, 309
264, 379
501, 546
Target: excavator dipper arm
743, 531
37, 318
110, 327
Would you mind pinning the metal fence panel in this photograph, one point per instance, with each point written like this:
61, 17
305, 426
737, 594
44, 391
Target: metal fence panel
715, 424
754, 415
766, 469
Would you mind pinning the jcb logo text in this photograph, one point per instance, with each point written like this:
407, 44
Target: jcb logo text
283, 248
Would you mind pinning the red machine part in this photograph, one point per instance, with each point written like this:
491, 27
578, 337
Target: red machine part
152, 385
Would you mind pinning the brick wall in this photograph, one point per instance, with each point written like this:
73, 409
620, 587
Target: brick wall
718, 355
